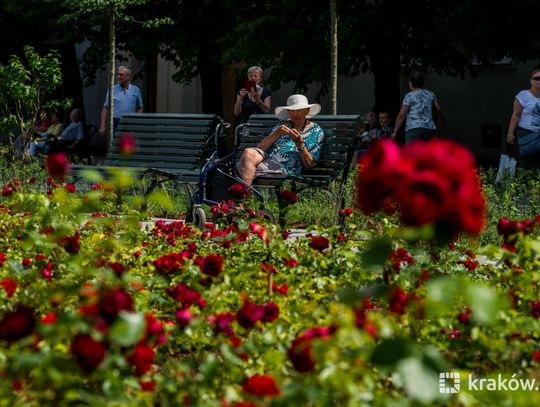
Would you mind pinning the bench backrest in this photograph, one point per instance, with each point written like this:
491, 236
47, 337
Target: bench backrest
338, 146
168, 141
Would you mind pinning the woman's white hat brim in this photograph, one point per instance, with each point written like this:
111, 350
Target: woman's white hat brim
297, 102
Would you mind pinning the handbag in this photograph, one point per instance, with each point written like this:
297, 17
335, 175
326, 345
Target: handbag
529, 144
507, 165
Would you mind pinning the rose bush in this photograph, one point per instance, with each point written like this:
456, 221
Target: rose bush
101, 310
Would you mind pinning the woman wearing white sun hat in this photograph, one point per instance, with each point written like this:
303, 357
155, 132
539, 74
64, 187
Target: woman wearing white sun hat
292, 146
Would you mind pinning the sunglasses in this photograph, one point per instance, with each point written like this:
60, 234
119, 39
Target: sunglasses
536, 78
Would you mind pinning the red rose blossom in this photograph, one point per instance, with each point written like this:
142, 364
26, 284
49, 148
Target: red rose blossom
113, 302
301, 353
88, 352
222, 323
126, 144
211, 265
249, 314
9, 285
261, 386
432, 182
57, 164
142, 358
288, 196
271, 312
17, 324
319, 243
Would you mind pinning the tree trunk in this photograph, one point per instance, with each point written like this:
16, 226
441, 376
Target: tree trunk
112, 56
212, 92
334, 55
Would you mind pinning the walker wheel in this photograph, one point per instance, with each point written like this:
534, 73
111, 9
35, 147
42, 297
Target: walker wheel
199, 218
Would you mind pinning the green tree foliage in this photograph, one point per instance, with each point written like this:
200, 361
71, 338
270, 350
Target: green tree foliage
24, 85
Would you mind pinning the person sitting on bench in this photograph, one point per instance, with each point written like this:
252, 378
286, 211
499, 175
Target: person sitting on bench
292, 146
72, 134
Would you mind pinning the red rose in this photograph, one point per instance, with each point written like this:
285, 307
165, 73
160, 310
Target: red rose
57, 164
319, 243
186, 296
222, 323
126, 144
3, 258
211, 265
249, 314
239, 191
380, 172
283, 289
397, 301
117, 267
113, 302
154, 328
169, 263
271, 312
288, 196
71, 188
261, 386
50, 318
301, 354
142, 358
71, 244
88, 352
424, 198
535, 309
9, 285
148, 385
17, 324
464, 318
184, 316
7, 190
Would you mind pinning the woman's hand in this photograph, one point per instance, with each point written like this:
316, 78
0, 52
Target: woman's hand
296, 137
243, 92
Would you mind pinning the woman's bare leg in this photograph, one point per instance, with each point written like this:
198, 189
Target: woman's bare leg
248, 164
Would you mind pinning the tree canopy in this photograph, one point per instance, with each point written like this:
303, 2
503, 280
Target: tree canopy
383, 37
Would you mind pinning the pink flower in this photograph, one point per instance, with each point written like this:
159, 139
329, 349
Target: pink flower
184, 316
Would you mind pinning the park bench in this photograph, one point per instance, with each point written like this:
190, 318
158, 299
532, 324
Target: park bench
169, 147
334, 161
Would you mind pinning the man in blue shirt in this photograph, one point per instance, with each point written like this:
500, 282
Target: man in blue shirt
127, 99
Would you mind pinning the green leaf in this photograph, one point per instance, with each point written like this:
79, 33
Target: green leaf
376, 252
484, 302
160, 198
421, 383
128, 328
389, 352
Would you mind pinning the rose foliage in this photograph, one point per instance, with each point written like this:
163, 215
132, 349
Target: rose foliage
108, 310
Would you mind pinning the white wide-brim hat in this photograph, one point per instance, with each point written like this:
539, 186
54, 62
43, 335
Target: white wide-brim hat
297, 102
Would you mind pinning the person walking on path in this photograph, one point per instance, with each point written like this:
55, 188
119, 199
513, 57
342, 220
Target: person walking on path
127, 99
525, 119
417, 111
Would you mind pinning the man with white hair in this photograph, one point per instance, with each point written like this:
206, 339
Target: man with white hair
127, 99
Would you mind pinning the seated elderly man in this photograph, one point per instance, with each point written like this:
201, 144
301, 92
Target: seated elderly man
292, 146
